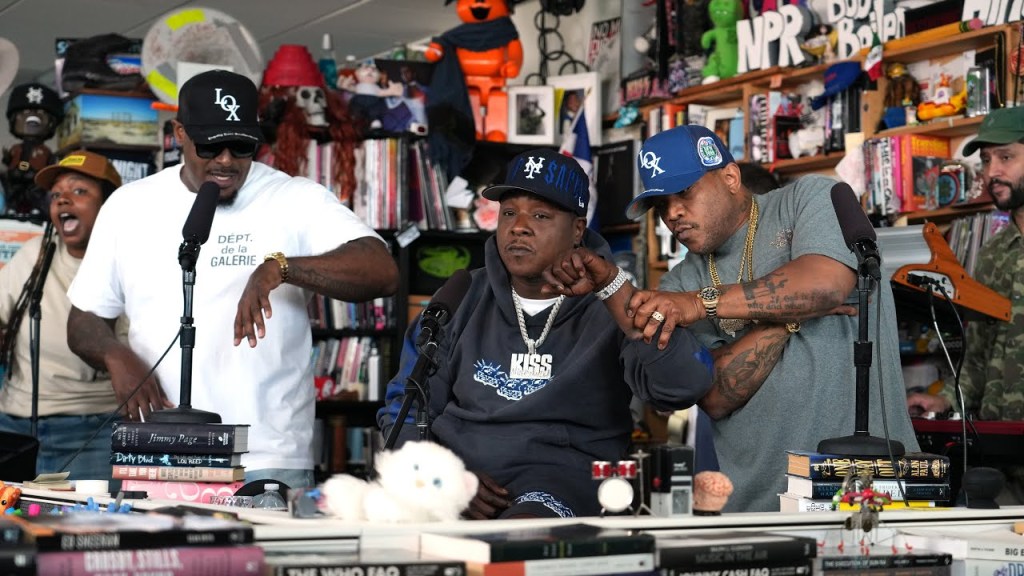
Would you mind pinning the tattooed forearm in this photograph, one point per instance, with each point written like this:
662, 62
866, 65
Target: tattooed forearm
774, 298
741, 368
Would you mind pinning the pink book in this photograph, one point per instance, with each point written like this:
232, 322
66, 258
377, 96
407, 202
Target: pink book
180, 561
184, 491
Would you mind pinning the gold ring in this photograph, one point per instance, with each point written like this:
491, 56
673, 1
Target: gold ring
658, 317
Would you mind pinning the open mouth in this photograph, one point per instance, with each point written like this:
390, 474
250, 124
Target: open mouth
480, 13
68, 222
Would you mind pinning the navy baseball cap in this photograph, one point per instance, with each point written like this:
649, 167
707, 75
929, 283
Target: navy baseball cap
838, 77
555, 177
672, 161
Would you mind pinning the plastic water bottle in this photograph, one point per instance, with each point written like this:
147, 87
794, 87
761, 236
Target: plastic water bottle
327, 63
271, 499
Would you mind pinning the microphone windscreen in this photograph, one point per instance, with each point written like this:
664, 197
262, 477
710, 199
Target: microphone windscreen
449, 297
200, 218
852, 220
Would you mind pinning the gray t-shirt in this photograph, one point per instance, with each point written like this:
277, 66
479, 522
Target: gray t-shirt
810, 395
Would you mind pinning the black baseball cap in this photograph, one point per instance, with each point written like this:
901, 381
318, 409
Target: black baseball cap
219, 106
555, 177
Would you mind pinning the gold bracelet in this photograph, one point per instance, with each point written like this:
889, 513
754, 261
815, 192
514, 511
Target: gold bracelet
282, 262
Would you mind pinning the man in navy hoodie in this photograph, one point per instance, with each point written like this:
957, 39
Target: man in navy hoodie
531, 387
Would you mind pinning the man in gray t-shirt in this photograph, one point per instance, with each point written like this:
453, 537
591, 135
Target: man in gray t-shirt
786, 381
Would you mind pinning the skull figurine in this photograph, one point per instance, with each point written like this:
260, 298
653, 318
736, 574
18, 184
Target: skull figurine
312, 100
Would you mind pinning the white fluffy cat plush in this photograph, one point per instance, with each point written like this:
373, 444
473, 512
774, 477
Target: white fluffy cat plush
420, 482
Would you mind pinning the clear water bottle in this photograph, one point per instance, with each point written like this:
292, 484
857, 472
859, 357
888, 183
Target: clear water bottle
271, 499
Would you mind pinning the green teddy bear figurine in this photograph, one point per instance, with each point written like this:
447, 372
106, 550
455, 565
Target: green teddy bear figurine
722, 62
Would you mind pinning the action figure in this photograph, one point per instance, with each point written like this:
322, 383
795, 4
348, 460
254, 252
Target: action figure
34, 112
489, 52
297, 111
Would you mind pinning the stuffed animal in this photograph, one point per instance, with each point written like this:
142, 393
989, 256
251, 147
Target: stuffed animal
9, 496
420, 482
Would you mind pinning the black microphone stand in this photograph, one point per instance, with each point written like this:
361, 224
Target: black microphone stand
861, 443
35, 313
188, 254
416, 391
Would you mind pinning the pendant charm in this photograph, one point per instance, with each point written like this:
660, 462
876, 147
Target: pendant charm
530, 366
731, 325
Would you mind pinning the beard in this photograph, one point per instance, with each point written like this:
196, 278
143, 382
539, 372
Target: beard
1014, 200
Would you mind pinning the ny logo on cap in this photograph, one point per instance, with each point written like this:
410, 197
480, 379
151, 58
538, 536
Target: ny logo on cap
35, 95
650, 161
227, 103
533, 167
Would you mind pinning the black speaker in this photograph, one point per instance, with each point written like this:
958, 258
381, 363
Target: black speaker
562, 7
18, 453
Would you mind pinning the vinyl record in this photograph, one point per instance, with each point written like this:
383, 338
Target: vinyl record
202, 36
9, 60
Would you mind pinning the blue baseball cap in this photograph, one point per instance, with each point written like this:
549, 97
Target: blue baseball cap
672, 161
838, 77
555, 177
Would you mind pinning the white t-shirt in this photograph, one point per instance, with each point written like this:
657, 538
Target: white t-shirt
132, 267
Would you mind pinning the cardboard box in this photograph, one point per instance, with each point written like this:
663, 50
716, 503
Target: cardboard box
108, 120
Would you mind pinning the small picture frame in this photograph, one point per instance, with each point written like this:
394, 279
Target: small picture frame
728, 124
531, 118
578, 91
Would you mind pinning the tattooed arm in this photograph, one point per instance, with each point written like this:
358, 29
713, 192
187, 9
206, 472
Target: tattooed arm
741, 367
810, 286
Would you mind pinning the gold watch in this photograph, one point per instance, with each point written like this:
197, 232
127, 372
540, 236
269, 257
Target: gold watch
281, 261
709, 296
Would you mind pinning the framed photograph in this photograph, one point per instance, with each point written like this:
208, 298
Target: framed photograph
573, 93
728, 124
531, 118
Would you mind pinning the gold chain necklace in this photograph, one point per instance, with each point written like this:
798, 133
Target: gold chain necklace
731, 325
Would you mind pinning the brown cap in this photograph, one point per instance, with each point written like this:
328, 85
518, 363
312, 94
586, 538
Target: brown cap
83, 162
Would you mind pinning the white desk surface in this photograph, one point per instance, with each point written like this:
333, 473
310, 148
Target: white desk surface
280, 528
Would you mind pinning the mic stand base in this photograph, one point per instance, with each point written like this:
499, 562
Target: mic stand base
861, 445
184, 415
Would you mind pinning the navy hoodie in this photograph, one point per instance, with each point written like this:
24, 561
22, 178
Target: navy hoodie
543, 434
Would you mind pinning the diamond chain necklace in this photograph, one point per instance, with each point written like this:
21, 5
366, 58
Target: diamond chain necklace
532, 345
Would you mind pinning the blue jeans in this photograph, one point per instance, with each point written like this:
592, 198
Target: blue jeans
293, 478
59, 438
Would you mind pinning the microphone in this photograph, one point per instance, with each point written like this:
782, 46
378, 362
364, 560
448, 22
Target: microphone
858, 233
443, 306
196, 230
200, 218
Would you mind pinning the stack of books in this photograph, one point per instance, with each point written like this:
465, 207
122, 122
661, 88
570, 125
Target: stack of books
570, 549
882, 561
86, 543
813, 479
190, 462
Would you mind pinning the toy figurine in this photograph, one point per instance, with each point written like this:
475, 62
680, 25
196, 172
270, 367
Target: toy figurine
724, 58
489, 52
711, 490
944, 101
382, 103
34, 112
297, 111
9, 496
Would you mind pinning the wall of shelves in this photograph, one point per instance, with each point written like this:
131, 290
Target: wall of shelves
737, 91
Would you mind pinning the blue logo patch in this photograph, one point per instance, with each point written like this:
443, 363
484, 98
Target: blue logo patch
708, 151
491, 374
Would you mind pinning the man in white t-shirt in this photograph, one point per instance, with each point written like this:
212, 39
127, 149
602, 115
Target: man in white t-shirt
275, 239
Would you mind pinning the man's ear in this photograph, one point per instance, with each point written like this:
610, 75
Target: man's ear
580, 226
732, 178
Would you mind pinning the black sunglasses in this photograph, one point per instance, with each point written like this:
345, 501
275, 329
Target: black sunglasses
237, 148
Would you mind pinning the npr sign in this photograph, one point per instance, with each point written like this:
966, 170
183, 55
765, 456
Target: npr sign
773, 38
